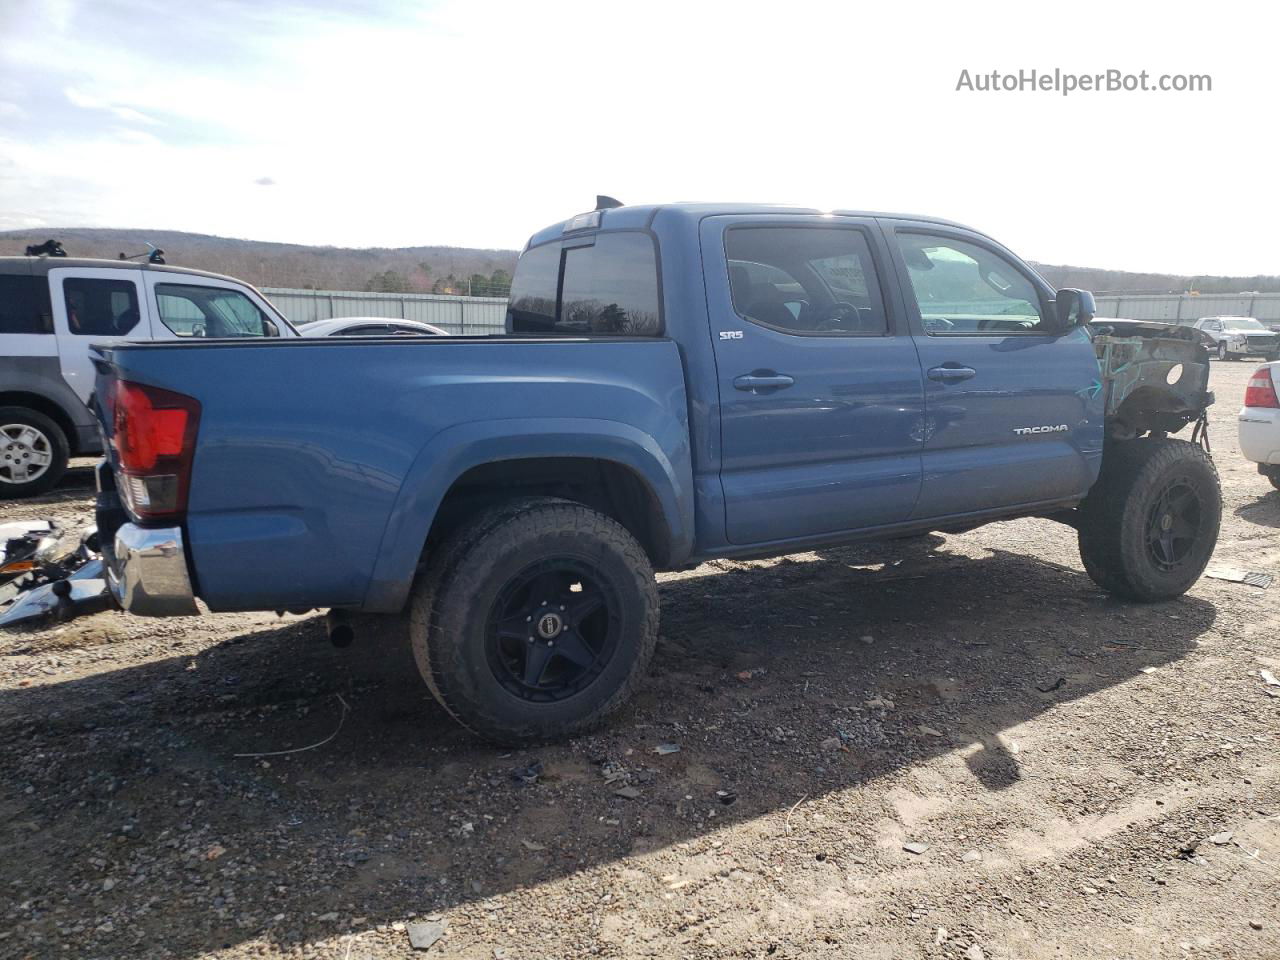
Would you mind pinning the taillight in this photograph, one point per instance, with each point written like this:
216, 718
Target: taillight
1261, 391
154, 436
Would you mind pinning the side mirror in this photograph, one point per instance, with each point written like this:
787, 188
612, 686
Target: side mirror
1075, 307
270, 328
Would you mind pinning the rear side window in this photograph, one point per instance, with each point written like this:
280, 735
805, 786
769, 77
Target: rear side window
100, 308
606, 288
200, 311
805, 280
24, 305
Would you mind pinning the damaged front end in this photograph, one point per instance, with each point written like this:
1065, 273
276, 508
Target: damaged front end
1154, 377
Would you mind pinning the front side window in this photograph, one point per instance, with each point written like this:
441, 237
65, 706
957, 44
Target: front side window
805, 280
609, 287
198, 311
962, 288
24, 305
100, 308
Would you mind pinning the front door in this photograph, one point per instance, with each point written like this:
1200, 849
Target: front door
1014, 406
820, 389
94, 306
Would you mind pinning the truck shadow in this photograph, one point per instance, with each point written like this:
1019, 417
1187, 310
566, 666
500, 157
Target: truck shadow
778, 681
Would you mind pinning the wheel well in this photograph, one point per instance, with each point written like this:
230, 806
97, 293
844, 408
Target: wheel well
52, 410
604, 485
1151, 407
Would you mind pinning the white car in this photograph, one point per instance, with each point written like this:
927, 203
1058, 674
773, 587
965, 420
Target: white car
1240, 337
53, 308
370, 327
1260, 422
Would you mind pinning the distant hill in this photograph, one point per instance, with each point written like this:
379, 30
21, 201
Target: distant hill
1120, 281
463, 269
391, 270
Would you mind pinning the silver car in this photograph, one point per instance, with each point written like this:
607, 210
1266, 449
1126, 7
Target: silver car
1240, 337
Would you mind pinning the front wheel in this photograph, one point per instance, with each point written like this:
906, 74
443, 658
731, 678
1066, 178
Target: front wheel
1222, 350
1150, 524
33, 452
535, 620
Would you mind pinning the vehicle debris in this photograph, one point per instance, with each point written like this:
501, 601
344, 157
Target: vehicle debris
915, 847
1269, 678
663, 749
1252, 578
1221, 839
1050, 687
39, 576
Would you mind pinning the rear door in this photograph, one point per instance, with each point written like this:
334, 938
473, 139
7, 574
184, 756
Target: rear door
1014, 406
94, 305
820, 390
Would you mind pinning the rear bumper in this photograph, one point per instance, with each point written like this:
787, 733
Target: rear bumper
147, 572
1260, 434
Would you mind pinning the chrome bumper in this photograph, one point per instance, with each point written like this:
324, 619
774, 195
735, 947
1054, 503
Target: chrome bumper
147, 572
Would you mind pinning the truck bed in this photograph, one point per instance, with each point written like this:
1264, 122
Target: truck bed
320, 463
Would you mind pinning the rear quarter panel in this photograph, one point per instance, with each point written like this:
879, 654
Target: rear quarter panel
319, 463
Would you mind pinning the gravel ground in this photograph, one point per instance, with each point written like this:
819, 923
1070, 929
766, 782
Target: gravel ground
1061, 760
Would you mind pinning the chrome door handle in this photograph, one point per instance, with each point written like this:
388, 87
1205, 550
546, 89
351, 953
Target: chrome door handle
762, 380
951, 374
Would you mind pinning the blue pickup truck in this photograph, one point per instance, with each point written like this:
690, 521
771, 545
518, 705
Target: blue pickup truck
677, 383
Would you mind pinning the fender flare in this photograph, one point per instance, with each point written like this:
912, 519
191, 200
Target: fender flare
453, 451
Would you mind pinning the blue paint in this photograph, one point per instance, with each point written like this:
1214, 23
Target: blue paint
320, 464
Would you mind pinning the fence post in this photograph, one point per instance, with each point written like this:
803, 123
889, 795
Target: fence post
462, 317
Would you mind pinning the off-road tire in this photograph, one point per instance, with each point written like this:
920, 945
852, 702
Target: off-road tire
59, 449
1272, 473
454, 597
1115, 517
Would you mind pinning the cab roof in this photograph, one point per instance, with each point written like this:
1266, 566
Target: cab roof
640, 217
40, 266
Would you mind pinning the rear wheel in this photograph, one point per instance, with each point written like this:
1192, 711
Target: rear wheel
1272, 473
535, 620
33, 452
1149, 526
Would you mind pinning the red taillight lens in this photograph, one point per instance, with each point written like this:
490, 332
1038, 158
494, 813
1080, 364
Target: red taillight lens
1261, 391
154, 436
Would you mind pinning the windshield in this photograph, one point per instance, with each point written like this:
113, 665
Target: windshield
1241, 323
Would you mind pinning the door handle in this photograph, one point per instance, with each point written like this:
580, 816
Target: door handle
761, 380
951, 373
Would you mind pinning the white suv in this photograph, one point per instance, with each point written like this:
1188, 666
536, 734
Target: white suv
1240, 337
53, 308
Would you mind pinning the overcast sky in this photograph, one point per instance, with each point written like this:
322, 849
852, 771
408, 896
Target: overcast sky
474, 123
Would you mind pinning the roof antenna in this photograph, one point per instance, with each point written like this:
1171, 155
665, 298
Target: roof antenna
154, 254
50, 248
606, 203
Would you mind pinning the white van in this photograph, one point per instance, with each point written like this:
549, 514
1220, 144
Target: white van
52, 308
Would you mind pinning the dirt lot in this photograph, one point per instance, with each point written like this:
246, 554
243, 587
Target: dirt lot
1055, 753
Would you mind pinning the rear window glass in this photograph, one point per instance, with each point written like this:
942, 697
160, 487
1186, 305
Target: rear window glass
24, 305
101, 308
607, 288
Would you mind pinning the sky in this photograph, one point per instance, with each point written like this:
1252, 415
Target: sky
361, 122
